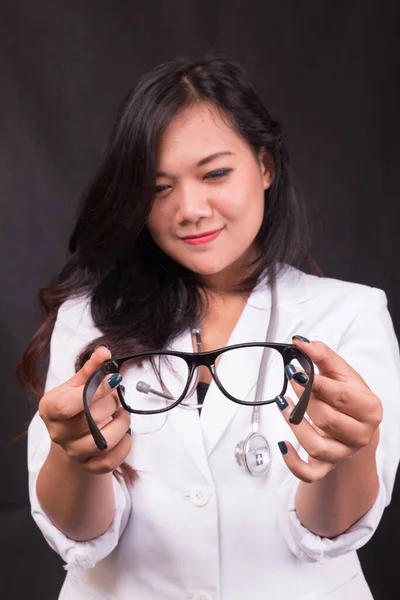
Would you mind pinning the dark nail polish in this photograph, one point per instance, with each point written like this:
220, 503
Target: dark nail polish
290, 370
301, 338
115, 380
282, 447
300, 378
129, 432
281, 402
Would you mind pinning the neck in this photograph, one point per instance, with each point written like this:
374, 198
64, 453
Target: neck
229, 281
219, 320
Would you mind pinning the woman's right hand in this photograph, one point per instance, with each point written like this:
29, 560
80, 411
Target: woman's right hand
62, 412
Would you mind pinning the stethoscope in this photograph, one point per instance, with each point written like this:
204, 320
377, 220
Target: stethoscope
253, 453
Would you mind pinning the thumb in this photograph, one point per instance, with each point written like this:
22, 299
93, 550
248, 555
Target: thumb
99, 356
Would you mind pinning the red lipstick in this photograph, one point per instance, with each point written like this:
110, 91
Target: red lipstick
203, 238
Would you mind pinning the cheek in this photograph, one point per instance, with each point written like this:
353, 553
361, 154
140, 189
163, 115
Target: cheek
246, 195
246, 205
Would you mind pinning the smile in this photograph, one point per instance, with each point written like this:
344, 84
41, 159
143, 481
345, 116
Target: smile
203, 238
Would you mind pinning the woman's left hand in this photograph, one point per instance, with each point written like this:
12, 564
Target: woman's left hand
345, 415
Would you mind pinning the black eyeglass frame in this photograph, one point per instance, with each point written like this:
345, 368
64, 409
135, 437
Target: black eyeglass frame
194, 360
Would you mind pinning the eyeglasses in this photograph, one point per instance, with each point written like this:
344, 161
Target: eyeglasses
158, 381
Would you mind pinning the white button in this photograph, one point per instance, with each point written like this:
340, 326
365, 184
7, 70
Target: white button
199, 496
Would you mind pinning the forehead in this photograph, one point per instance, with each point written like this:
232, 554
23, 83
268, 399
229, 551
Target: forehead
197, 131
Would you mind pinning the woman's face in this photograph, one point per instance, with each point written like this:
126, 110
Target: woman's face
209, 198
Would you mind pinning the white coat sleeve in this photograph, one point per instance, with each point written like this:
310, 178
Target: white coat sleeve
370, 346
71, 333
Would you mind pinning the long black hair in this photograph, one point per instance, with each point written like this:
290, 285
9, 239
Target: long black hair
140, 297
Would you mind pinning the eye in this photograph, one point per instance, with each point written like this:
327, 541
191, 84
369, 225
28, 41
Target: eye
160, 188
217, 174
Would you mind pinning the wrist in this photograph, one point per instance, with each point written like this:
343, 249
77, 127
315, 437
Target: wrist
79, 503
330, 506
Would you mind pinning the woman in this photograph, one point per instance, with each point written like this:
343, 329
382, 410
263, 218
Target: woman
191, 222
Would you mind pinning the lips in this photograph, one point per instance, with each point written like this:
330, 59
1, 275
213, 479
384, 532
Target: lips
202, 238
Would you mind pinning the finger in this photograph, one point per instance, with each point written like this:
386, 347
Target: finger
85, 447
359, 403
77, 426
329, 363
307, 472
109, 384
99, 356
317, 446
338, 425
66, 401
109, 461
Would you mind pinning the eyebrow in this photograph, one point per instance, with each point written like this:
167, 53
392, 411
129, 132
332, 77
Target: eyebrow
202, 162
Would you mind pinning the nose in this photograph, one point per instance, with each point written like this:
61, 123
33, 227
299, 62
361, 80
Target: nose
192, 204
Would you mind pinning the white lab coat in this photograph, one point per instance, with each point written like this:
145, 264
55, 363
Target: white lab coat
196, 525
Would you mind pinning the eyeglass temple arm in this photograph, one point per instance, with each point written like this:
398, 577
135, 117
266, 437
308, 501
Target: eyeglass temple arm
299, 410
94, 430
297, 414
108, 367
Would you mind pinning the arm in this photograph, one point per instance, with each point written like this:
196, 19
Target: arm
339, 479
64, 494
348, 471
79, 504
74, 486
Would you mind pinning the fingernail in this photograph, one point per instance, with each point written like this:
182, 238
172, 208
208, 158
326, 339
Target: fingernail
290, 370
281, 402
300, 378
100, 345
282, 447
129, 432
115, 380
301, 338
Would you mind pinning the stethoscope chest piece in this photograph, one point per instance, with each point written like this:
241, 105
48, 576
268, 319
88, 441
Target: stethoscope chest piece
254, 454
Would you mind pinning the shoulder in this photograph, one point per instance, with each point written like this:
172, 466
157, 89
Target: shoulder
295, 287
336, 311
73, 331
75, 313
74, 326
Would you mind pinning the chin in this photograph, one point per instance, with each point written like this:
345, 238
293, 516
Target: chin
205, 271
201, 268
209, 270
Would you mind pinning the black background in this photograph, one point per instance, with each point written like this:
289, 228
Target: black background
329, 70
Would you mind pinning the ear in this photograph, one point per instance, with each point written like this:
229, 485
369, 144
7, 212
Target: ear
267, 165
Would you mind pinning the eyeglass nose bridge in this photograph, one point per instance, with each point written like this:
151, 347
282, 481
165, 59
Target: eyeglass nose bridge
204, 359
194, 362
